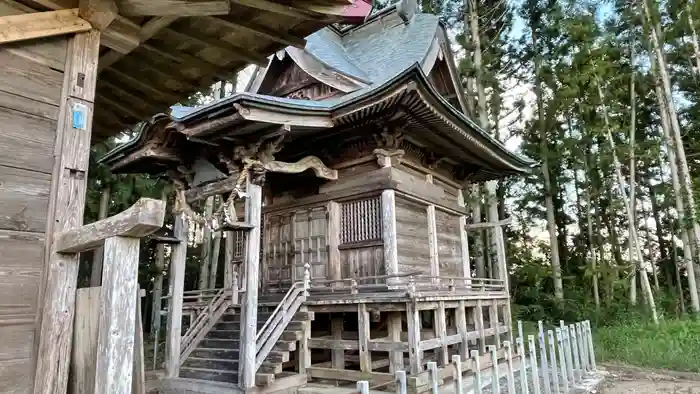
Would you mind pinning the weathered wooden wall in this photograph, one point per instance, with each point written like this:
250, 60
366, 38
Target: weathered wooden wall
31, 77
412, 236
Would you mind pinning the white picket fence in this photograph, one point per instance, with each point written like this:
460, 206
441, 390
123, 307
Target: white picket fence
557, 361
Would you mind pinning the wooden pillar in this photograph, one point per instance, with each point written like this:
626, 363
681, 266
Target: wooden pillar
394, 328
461, 319
415, 355
66, 208
229, 241
115, 338
479, 318
334, 264
391, 255
363, 338
495, 325
337, 355
432, 243
176, 287
98, 254
441, 332
249, 318
158, 289
464, 239
205, 253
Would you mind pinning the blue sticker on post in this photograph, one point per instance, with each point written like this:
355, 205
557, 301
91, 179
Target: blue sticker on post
79, 116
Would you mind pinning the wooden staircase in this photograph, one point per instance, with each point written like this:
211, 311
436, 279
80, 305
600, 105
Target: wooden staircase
216, 355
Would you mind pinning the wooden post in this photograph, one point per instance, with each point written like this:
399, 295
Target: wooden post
394, 328
415, 355
461, 320
519, 342
214, 257
511, 372
582, 348
391, 254
573, 341
457, 373
249, 319
479, 316
98, 254
334, 263
176, 288
66, 208
363, 338
138, 385
495, 375
158, 290
533, 365
363, 387
432, 244
567, 352
477, 371
441, 332
493, 320
205, 255
87, 318
562, 360
464, 238
337, 355
434, 377
553, 362
591, 350
400, 379
543, 358
229, 242
115, 343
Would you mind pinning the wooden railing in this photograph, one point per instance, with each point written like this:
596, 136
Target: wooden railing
280, 318
204, 322
411, 283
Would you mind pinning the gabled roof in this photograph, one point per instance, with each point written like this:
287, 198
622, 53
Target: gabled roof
424, 108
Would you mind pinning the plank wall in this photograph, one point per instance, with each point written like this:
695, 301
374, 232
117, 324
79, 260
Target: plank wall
412, 236
30, 90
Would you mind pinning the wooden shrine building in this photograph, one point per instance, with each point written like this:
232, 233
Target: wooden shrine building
72, 73
343, 167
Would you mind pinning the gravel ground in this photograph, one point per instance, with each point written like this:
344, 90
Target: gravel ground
503, 381
625, 380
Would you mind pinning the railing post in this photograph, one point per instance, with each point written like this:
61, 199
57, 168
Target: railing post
234, 287
307, 279
115, 343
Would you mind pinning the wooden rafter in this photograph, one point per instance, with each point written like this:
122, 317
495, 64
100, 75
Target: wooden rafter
180, 8
124, 108
41, 24
100, 13
188, 61
132, 97
137, 84
148, 30
223, 46
166, 72
262, 31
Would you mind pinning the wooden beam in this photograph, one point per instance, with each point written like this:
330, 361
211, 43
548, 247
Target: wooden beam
220, 45
66, 208
305, 11
133, 97
143, 218
100, 13
261, 31
488, 225
148, 30
181, 8
115, 343
124, 76
126, 110
41, 24
188, 61
391, 251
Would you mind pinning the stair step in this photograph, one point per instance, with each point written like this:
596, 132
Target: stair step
212, 363
271, 368
227, 354
283, 345
293, 325
264, 316
281, 357
218, 333
209, 374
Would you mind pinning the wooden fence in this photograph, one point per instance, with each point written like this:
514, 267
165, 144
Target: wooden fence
556, 362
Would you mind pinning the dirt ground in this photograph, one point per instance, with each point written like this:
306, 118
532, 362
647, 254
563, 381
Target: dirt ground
629, 380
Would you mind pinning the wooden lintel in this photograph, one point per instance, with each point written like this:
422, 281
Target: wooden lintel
488, 225
100, 13
181, 8
211, 189
143, 218
262, 115
41, 24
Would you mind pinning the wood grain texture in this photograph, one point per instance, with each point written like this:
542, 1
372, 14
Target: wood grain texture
362, 261
389, 232
14, 376
179, 8
412, 237
66, 208
115, 338
249, 318
141, 219
25, 140
30, 79
178, 257
49, 51
24, 198
41, 24
16, 341
87, 316
449, 244
28, 106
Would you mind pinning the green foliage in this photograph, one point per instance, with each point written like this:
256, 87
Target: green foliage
675, 344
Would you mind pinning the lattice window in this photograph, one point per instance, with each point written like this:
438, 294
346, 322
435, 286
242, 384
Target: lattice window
361, 221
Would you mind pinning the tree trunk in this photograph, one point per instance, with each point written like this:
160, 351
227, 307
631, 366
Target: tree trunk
694, 36
98, 254
549, 203
667, 104
632, 200
621, 185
